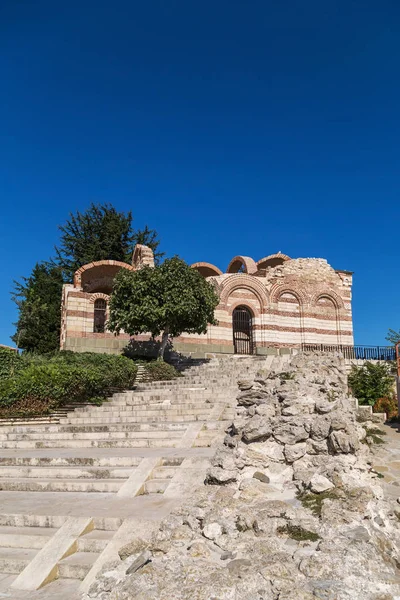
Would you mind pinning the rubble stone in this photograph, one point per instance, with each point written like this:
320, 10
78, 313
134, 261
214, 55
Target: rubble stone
294, 511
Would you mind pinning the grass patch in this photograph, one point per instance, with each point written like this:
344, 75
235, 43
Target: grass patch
373, 436
313, 502
286, 376
375, 431
298, 533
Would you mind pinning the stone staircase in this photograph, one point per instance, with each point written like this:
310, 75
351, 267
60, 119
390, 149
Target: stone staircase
154, 415
24, 537
69, 474
77, 480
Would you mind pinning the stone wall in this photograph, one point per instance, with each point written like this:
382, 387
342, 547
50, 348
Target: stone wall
292, 302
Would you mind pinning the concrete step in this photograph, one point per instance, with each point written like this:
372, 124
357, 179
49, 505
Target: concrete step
65, 472
99, 443
72, 428
25, 537
94, 541
145, 406
14, 560
77, 565
29, 421
107, 523
156, 486
160, 410
163, 472
70, 461
55, 521
21, 484
169, 400
178, 395
144, 417
100, 420
32, 521
105, 435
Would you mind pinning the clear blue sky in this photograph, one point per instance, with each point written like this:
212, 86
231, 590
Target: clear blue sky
230, 127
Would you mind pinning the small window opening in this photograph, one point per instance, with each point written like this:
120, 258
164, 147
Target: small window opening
100, 307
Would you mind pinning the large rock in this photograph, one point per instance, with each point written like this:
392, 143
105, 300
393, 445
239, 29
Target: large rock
294, 452
290, 433
319, 484
219, 476
320, 428
341, 442
253, 396
257, 429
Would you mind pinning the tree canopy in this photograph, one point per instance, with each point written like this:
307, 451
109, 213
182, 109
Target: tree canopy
100, 233
38, 298
170, 298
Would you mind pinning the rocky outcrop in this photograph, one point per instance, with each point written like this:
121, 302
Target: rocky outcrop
290, 509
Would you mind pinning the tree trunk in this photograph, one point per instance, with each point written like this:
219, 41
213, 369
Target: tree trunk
163, 345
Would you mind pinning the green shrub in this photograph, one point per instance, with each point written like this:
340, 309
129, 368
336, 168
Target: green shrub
387, 405
370, 382
158, 370
10, 363
44, 385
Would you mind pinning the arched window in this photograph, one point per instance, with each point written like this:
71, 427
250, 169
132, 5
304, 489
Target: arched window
100, 307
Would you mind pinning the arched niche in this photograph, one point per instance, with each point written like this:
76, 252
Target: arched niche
206, 269
242, 264
99, 276
273, 260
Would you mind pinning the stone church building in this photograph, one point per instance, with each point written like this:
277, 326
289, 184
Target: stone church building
276, 302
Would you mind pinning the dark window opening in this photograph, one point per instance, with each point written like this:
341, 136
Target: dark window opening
100, 307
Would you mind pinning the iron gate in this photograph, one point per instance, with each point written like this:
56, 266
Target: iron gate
242, 331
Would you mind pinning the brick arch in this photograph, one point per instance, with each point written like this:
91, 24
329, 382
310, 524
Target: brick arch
330, 295
254, 311
250, 266
273, 259
98, 263
206, 269
99, 296
242, 280
278, 290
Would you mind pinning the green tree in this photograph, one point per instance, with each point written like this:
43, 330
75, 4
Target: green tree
370, 382
170, 298
393, 336
38, 298
100, 233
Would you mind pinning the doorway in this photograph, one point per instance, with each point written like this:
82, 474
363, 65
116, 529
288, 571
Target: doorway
242, 323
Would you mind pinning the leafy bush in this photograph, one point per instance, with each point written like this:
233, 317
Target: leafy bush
370, 382
44, 385
387, 405
10, 362
158, 370
38, 384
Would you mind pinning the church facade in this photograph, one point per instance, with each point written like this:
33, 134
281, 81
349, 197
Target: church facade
276, 302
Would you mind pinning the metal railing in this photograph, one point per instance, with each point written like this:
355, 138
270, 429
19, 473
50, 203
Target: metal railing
387, 353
